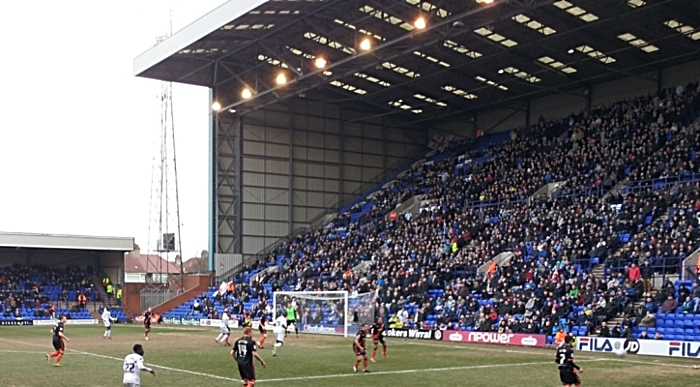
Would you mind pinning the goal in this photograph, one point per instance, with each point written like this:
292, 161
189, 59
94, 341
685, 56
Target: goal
334, 313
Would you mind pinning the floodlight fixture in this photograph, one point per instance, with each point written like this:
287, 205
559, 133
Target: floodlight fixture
365, 44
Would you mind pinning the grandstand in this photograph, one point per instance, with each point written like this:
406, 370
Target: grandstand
501, 169
43, 276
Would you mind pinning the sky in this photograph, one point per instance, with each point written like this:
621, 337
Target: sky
77, 129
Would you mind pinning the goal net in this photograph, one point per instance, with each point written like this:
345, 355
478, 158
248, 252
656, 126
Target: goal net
326, 312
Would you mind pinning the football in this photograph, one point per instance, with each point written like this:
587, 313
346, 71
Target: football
620, 352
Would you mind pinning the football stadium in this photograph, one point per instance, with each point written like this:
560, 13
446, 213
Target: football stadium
464, 192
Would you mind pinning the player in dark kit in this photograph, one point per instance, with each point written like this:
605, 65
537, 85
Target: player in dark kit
244, 350
262, 330
378, 337
567, 367
147, 322
58, 342
358, 347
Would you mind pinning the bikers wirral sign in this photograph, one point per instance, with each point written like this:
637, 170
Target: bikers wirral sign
418, 334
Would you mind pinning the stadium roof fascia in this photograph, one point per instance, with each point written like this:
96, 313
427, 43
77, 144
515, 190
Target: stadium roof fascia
67, 242
200, 28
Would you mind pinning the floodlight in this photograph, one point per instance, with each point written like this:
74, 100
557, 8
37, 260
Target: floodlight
365, 44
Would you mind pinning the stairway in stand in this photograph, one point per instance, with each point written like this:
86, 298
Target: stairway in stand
96, 315
598, 271
103, 293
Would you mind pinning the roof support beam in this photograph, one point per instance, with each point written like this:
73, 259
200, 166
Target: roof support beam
444, 22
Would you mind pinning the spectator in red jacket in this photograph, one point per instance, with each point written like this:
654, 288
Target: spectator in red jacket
634, 273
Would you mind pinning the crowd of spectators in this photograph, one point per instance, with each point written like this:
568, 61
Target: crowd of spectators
24, 289
488, 208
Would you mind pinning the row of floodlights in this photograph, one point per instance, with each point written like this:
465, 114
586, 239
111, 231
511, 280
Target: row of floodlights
320, 63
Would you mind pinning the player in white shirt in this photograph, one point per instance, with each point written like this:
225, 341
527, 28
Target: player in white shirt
223, 336
133, 364
280, 331
107, 320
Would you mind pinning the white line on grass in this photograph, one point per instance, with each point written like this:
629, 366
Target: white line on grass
31, 352
472, 347
119, 359
472, 367
311, 377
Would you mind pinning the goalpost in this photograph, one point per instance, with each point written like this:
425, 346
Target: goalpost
332, 312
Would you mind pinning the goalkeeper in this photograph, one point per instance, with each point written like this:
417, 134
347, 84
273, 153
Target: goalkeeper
292, 315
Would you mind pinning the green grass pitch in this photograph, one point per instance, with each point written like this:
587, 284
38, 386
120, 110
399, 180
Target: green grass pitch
188, 356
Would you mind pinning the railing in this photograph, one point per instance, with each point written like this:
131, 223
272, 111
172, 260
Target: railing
497, 202
626, 187
578, 191
690, 272
663, 266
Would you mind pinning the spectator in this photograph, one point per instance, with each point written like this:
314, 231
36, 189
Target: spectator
634, 273
647, 274
669, 305
644, 336
82, 300
688, 305
649, 321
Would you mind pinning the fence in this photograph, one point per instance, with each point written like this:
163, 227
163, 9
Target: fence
151, 297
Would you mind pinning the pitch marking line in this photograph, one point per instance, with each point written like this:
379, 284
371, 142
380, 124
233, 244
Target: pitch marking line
485, 366
403, 371
588, 358
31, 352
118, 359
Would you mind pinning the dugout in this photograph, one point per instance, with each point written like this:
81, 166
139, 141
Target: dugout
315, 102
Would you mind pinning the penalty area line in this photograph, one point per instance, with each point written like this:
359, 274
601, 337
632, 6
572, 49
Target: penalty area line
585, 355
457, 368
28, 352
120, 359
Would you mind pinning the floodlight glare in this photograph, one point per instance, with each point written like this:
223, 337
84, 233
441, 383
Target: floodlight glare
216, 106
488, 1
365, 44
246, 94
320, 63
281, 79
420, 23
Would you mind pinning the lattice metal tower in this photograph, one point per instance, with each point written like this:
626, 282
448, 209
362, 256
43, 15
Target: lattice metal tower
164, 219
